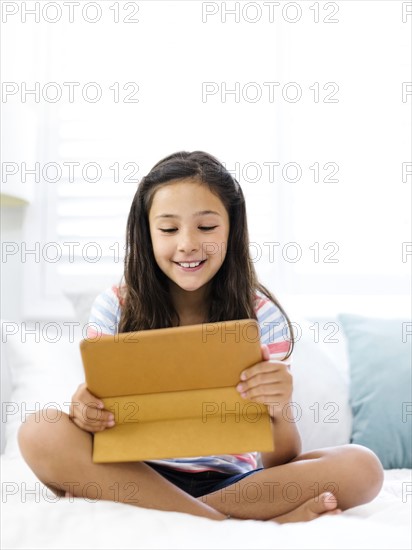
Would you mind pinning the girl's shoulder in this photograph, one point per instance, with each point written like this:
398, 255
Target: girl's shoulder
105, 312
273, 326
262, 303
119, 292
112, 296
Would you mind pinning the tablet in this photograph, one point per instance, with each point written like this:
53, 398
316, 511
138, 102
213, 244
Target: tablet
173, 392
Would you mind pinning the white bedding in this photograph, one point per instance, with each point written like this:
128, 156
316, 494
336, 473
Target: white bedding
34, 518
43, 522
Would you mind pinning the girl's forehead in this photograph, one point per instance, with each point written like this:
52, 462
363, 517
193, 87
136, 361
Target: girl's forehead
182, 193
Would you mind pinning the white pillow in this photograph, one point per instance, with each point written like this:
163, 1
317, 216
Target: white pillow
44, 374
321, 389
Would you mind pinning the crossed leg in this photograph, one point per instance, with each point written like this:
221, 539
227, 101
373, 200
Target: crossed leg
59, 453
352, 474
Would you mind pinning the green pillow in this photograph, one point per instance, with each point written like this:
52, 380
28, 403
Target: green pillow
381, 386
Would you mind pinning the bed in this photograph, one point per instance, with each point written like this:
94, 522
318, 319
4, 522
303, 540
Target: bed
46, 373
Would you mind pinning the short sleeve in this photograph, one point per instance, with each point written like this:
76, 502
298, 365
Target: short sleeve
105, 314
274, 328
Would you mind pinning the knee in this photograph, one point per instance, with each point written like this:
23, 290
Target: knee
365, 469
37, 434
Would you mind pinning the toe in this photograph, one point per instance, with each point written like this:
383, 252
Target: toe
326, 502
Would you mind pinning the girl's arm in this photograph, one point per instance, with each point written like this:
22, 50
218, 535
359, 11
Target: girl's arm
286, 439
270, 382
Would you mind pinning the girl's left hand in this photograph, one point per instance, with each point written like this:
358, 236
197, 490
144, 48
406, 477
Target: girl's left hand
268, 382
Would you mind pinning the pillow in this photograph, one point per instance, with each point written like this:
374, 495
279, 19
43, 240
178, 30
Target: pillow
45, 374
320, 388
380, 386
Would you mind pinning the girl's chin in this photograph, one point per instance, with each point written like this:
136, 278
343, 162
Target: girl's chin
188, 288
184, 285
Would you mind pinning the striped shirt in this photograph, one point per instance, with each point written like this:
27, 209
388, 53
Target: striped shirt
274, 332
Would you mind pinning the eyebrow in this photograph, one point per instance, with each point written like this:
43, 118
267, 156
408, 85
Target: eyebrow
201, 213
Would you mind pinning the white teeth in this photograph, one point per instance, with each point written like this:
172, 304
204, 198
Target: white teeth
194, 264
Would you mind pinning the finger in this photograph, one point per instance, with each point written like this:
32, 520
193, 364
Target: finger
264, 392
91, 416
108, 417
83, 397
258, 384
266, 366
268, 399
264, 377
266, 373
258, 381
98, 415
91, 400
265, 352
92, 425
91, 428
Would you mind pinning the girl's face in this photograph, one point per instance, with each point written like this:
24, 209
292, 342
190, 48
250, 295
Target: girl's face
188, 225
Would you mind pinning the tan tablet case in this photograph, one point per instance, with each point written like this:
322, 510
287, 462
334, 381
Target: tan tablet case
172, 392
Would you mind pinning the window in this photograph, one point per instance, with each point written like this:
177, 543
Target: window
301, 115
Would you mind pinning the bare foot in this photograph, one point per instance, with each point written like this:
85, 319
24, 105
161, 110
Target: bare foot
324, 505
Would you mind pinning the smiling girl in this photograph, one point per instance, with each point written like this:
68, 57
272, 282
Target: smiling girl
187, 262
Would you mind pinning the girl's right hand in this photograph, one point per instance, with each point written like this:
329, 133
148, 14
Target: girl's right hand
88, 413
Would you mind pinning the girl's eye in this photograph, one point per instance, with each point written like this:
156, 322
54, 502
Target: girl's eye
202, 227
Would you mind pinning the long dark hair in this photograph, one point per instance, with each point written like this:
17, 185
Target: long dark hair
147, 303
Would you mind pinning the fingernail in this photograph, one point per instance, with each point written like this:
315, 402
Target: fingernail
111, 423
239, 387
243, 376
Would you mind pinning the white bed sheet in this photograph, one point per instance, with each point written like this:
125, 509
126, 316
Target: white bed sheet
34, 521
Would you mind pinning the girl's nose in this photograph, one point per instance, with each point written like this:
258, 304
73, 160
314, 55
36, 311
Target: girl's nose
188, 242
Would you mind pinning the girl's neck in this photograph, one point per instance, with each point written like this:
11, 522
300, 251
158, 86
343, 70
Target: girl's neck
192, 306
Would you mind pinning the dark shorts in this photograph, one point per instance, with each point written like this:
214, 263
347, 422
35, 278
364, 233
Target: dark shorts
200, 483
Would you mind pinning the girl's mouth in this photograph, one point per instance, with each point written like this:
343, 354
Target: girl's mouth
191, 266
